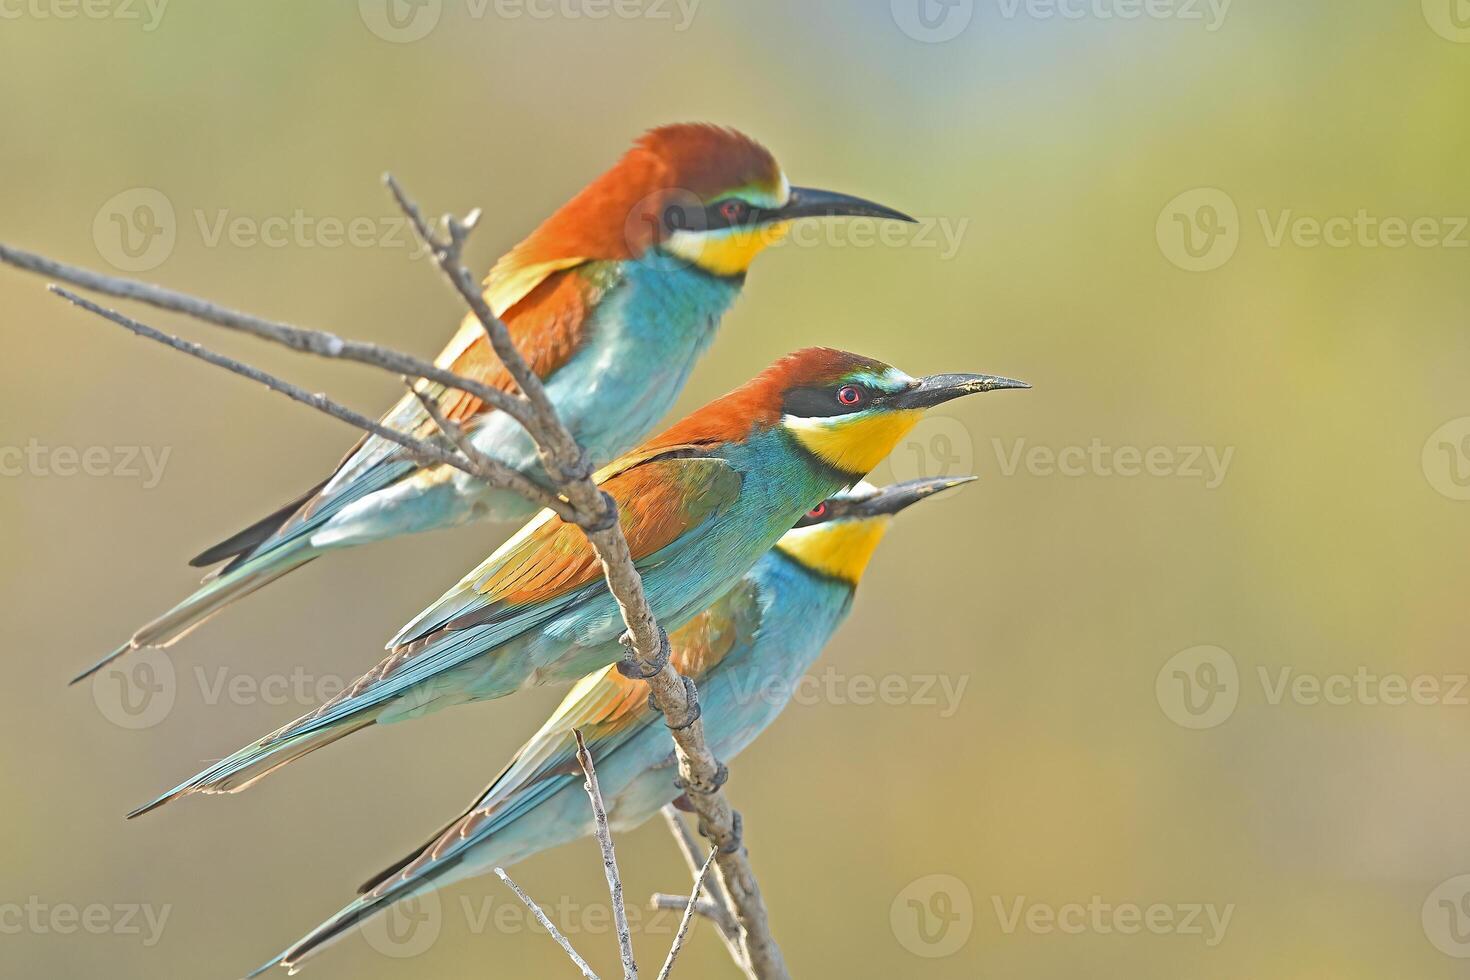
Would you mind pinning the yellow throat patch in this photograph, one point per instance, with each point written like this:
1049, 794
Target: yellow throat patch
840, 549
853, 443
727, 252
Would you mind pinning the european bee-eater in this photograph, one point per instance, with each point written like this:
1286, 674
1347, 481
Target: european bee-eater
610, 300
746, 652
699, 505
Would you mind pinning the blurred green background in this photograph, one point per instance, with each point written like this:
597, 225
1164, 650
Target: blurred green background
1059, 156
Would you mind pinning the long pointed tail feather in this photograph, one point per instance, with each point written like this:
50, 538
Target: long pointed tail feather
211, 598
254, 762
351, 916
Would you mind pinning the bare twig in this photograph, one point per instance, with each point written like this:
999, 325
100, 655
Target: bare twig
479, 462
689, 847
317, 342
716, 908
705, 907
688, 916
609, 859
426, 454
547, 924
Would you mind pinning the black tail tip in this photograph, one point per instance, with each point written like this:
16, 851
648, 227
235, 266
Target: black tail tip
84, 675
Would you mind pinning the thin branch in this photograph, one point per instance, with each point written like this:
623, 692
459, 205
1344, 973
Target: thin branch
424, 453
688, 916
716, 908
689, 847
609, 859
547, 924
487, 467
317, 342
705, 907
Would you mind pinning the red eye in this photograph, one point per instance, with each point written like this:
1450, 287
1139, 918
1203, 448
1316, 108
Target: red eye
733, 211
849, 395
818, 511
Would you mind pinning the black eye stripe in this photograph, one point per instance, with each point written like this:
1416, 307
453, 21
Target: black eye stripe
817, 403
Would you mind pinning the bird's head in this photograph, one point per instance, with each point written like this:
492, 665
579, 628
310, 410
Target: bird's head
846, 411
836, 538
702, 194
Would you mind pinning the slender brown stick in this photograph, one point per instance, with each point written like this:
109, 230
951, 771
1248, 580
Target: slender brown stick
609, 858
547, 924
424, 453
317, 342
688, 916
704, 907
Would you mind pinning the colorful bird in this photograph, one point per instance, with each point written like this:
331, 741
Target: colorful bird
746, 652
699, 505
610, 300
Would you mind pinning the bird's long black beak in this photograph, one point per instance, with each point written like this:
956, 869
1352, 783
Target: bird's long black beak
892, 499
939, 388
808, 202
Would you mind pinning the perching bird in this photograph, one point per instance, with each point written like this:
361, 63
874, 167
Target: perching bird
610, 300
746, 652
699, 505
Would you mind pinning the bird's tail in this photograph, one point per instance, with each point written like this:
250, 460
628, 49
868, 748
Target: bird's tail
233, 582
354, 914
242, 769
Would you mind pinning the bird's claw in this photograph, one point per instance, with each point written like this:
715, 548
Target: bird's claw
633, 668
